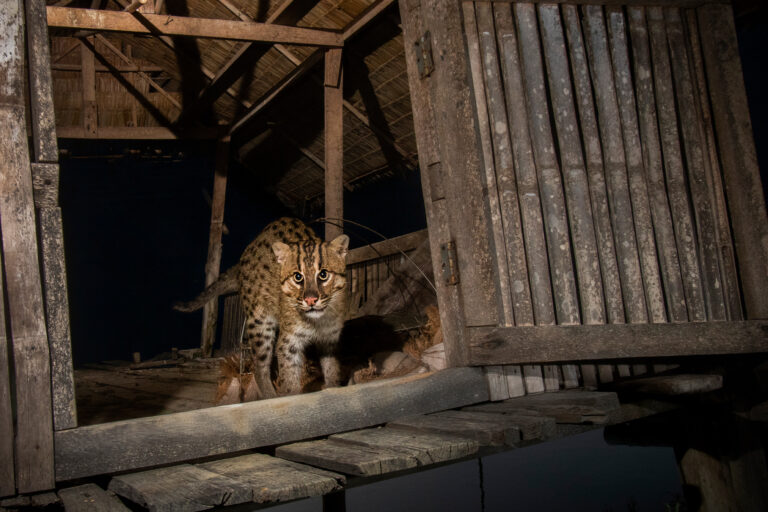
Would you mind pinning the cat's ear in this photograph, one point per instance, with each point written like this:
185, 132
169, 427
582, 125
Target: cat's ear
281, 251
340, 244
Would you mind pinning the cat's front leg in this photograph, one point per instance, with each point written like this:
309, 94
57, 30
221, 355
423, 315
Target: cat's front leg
290, 363
330, 365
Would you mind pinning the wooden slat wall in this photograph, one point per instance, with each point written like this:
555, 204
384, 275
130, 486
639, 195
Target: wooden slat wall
599, 147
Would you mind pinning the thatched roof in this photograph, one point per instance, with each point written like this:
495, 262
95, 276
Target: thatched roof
146, 81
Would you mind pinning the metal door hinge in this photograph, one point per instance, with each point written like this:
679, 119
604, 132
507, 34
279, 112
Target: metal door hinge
424, 60
450, 267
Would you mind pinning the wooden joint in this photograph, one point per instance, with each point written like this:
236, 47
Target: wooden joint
45, 185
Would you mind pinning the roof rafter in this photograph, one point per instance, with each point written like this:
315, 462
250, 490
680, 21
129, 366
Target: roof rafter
157, 24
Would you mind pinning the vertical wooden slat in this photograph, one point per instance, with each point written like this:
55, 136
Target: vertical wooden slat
714, 176
34, 421
46, 184
213, 263
507, 230
682, 216
527, 187
574, 174
449, 299
638, 188
694, 156
614, 305
741, 174
651, 147
615, 165
494, 133
334, 142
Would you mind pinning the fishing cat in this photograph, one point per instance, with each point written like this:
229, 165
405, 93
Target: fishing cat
293, 287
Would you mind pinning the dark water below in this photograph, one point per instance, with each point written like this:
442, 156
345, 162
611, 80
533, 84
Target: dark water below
576, 473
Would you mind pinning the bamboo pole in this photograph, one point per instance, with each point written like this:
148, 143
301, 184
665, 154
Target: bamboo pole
213, 263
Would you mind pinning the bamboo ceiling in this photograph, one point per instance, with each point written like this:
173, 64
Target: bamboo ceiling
150, 86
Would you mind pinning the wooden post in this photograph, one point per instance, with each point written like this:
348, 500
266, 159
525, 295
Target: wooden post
213, 263
45, 180
88, 67
334, 142
7, 477
737, 152
34, 422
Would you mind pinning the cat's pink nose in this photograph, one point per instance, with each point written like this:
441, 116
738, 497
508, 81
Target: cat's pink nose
310, 300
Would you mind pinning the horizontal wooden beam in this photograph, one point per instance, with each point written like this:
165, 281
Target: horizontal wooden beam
387, 247
104, 69
157, 24
137, 133
145, 442
642, 3
557, 343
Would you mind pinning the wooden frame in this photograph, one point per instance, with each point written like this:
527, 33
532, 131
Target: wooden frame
162, 25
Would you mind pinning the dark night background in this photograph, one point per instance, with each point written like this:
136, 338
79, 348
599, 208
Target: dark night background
136, 223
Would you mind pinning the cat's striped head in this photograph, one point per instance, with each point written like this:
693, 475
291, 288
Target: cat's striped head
312, 273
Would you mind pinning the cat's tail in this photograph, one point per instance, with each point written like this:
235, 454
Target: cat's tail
226, 283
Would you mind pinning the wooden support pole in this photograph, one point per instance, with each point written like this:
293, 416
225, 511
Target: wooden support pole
88, 77
213, 264
45, 180
334, 142
7, 477
32, 370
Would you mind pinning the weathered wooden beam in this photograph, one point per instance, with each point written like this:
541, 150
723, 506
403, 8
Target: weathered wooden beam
32, 365
213, 263
136, 132
88, 80
156, 24
387, 247
365, 17
122, 445
737, 152
7, 475
516, 345
664, 3
334, 143
104, 69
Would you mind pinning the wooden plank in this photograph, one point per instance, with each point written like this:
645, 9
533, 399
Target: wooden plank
506, 228
619, 199
44, 144
737, 152
566, 407
425, 448
681, 384
674, 292
90, 498
664, 3
388, 247
90, 115
526, 345
120, 446
358, 460
498, 389
515, 380
273, 479
334, 144
695, 158
158, 24
181, 488
26, 316
45, 182
682, 217
485, 429
542, 307
532, 427
731, 288
449, 298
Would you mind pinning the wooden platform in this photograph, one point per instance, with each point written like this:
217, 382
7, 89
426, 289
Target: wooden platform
321, 466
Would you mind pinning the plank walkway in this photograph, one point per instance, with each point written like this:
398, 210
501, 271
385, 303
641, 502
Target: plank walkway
319, 467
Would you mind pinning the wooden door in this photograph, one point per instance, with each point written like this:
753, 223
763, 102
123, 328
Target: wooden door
591, 165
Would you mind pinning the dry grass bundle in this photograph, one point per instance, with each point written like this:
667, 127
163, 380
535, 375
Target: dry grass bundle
430, 334
236, 386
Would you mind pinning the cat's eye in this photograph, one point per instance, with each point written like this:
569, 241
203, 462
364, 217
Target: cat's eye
323, 275
298, 277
